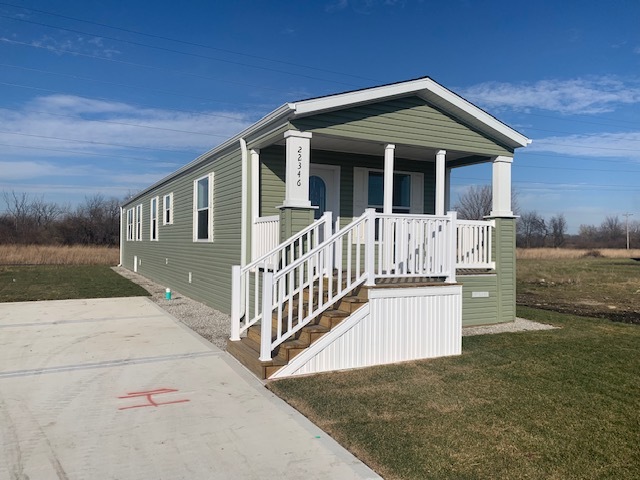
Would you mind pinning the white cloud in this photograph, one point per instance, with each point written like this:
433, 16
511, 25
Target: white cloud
70, 117
578, 96
600, 145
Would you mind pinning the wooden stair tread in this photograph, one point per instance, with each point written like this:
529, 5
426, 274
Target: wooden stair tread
247, 351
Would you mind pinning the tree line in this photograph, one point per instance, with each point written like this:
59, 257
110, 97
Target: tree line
533, 230
30, 219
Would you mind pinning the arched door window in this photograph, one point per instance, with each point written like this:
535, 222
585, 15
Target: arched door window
318, 195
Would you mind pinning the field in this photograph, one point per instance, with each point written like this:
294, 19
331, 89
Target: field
58, 255
568, 281
553, 404
37, 272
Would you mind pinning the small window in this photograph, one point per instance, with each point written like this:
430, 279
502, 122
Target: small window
203, 209
130, 224
153, 219
139, 222
167, 214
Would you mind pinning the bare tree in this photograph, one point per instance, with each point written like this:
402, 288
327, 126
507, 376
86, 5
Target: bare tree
531, 230
17, 208
477, 202
612, 229
558, 226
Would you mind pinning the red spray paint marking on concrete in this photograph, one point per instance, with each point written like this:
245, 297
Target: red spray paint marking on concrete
148, 394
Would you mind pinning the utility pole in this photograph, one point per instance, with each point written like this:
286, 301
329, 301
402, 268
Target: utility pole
627, 215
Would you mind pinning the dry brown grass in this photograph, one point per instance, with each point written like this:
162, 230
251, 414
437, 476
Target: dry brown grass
58, 255
559, 253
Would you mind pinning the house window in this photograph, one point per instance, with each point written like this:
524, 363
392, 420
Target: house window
153, 219
130, 224
167, 214
401, 192
203, 209
368, 191
139, 222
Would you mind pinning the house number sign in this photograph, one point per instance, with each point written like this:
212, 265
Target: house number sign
297, 173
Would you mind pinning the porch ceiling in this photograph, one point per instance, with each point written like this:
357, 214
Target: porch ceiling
363, 147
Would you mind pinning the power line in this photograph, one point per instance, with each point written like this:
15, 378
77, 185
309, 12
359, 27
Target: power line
575, 157
578, 169
132, 64
170, 50
185, 42
580, 186
117, 84
75, 152
118, 123
585, 135
585, 146
98, 143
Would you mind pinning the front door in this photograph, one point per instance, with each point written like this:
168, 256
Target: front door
324, 189
324, 193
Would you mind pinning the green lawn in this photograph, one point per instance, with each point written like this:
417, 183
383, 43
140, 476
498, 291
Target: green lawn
58, 282
554, 404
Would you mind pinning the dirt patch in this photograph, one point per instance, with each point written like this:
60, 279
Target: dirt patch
583, 308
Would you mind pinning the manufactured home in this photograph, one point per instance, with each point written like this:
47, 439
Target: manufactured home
325, 230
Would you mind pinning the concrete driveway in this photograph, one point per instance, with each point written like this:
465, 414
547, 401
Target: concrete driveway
118, 389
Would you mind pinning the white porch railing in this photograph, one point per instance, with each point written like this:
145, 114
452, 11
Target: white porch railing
416, 246
246, 282
373, 246
266, 236
474, 244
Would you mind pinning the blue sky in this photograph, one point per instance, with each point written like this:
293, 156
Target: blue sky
109, 96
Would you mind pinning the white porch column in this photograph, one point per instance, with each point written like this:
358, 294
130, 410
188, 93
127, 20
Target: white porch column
389, 151
447, 189
440, 181
297, 170
502, 187
255, 184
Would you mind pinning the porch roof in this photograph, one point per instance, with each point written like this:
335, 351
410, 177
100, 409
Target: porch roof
425, 88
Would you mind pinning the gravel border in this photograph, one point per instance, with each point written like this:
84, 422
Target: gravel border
205, 321
520, 325
215, 325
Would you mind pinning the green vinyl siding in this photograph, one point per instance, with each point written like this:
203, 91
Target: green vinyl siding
272, 175
405, 121
505, 248
169, 260
481, 310
499, 306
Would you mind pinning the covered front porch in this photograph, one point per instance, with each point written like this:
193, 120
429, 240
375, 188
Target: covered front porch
298, 179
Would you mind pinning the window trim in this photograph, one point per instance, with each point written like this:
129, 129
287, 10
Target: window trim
138, 222
166, 210
153, 222
210, 203
130, 224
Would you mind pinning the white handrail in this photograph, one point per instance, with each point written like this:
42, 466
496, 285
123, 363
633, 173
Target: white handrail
247, 281
405, 246
298, 292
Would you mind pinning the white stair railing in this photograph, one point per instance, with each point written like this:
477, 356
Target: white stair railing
474, 244
302, 290
372, 246
247, 282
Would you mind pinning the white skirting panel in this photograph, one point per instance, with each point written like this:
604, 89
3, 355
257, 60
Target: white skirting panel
398, 324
